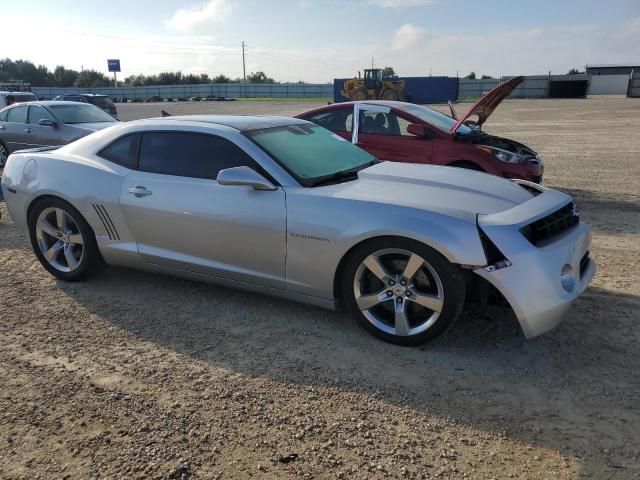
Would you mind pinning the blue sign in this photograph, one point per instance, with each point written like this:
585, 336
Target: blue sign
114, 65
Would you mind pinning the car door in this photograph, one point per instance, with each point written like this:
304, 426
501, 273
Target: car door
42, 135
182, 218
383, 132
14, 130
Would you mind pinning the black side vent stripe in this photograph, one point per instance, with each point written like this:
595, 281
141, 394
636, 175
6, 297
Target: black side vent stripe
106, 221
108, 217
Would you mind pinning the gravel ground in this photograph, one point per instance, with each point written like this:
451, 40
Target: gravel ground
137, 376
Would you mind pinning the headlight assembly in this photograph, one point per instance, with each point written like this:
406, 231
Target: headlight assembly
502, 155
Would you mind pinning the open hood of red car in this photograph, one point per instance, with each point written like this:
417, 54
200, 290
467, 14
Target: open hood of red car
488, 103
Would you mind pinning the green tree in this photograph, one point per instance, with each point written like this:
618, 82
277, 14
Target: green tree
471, 76
573, 71
221, 78
486, 77
92, 79
259, 77
65, 77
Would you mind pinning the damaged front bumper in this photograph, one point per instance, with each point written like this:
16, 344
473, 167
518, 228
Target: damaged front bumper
540, 281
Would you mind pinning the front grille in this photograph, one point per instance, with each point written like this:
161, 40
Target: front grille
559, 221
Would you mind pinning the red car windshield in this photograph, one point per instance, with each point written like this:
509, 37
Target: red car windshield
437, 119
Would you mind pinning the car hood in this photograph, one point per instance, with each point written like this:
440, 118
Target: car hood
92, 127
448, 190
488, 103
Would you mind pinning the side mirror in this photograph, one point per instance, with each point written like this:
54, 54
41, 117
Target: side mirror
47, 122
244, 176
417, 129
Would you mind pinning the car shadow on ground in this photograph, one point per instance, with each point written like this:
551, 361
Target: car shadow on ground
574, 389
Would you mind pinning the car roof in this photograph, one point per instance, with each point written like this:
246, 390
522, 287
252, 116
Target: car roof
239, 122
83, 95
48, 103
331, 106
16, 93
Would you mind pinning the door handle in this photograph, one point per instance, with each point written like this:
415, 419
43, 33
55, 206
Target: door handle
28, 130
2, 127
139, 191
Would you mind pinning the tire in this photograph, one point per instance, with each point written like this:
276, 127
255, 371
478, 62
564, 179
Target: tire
57, 228
390, 95
4, 153
467, 165
360, 95
388, 282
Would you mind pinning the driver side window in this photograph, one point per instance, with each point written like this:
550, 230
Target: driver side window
379, 123
36, 114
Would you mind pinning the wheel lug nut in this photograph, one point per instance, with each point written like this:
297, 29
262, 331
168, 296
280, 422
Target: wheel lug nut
389, 293
403, 283
399, 299
391, 283
408, 294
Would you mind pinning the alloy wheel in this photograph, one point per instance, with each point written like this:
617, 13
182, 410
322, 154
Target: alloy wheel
398, 292
59, 239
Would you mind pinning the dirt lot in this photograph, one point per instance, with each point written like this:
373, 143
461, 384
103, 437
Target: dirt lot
138, 376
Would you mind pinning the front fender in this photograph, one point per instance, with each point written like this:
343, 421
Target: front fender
321, 231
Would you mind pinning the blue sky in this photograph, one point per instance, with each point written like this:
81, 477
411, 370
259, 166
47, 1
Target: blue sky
317, 40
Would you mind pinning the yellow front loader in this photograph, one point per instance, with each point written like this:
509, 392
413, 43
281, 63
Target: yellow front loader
377, 84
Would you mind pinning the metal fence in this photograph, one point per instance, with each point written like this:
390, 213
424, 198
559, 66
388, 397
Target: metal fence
475, 88
235, 90
634, 85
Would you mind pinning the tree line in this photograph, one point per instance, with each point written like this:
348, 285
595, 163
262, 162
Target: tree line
40, 76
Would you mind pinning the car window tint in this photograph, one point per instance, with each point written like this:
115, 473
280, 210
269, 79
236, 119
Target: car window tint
36, 114
338, 120
123, 151
190, 154
379, 123
17, 115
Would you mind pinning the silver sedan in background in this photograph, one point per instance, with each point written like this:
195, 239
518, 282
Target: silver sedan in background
47, 124
283, 206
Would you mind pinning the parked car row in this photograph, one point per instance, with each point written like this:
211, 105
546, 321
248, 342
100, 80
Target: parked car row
288, 207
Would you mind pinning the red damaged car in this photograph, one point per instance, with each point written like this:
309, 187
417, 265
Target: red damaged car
405, 132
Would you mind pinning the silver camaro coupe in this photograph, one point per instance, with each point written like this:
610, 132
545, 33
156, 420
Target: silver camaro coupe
285, 207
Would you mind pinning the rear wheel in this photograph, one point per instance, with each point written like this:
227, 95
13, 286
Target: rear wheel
62, 240
4, 153
390, 95
402, 291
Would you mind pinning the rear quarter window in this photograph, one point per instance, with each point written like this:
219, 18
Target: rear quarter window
123, 151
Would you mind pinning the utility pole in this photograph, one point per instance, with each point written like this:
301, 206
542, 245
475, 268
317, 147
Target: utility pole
372, 63
244, 71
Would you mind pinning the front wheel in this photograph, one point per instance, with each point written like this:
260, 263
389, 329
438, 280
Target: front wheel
390, 95
63, 240
402, 291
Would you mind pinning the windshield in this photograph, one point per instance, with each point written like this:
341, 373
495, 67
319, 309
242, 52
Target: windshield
310, 152
435, 118
81, 113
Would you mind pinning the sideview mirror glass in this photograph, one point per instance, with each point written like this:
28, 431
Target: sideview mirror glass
417, 129
244, 176
47, 122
